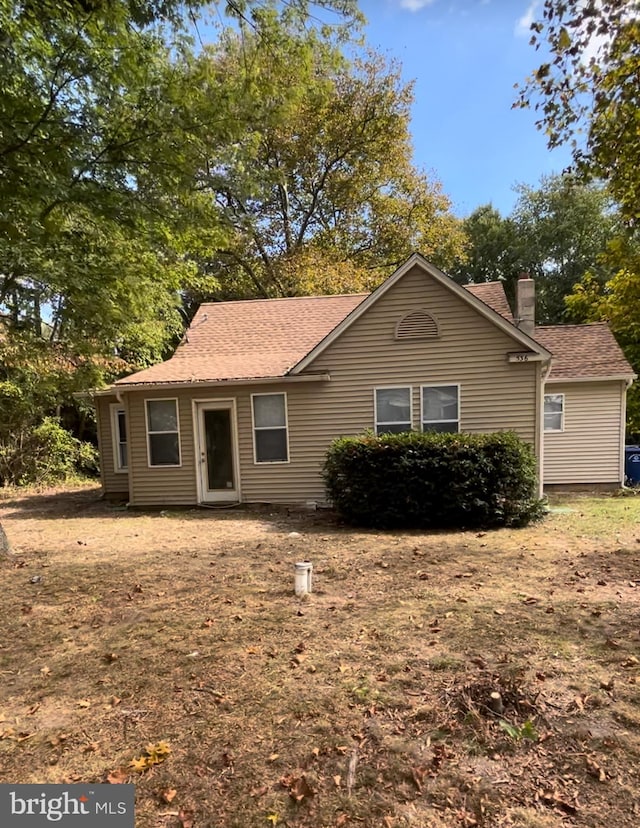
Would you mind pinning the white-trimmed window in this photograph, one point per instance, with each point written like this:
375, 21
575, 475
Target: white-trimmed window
554, 412
440, 407
163, 432
392, 409
270, 431
119, 436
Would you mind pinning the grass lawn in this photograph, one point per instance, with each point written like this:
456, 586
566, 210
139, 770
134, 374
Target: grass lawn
369, 703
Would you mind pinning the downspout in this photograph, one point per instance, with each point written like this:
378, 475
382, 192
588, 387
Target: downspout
626, 385
543, 373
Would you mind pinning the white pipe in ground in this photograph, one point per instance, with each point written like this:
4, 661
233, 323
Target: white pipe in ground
303, 577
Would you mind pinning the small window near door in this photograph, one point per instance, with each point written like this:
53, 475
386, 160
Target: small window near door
441, 408
393, 410
554, 412
163, 433
270, 437
119, 435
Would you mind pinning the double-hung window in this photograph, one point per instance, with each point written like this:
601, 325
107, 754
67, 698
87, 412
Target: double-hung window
119, 435
554, 412
393, 410
163, 432
270, 433
440, 407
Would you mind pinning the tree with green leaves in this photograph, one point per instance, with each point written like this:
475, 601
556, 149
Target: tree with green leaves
563, 227
97, 173
616, 301
96, 204
322, 181
108, 124
492, 248
586, 91
556, 232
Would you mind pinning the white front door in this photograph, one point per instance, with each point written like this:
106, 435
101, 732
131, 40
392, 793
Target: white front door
216, 451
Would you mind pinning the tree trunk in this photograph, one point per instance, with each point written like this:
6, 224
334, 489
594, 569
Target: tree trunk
5, 548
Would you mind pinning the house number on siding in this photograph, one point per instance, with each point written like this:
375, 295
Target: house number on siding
519, 357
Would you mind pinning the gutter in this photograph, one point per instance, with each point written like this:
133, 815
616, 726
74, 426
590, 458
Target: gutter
176, 386
628, 378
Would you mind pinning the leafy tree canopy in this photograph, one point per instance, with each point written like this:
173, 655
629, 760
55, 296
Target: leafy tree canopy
616, 301
556, 232
108, 123
96, 186
322, 179
587, 92
491, 248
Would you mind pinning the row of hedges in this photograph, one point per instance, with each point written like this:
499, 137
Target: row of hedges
427, 480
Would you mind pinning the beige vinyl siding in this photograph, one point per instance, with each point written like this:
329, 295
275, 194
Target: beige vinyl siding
292, 482
113, 482
589, 448
162, 485
471, 351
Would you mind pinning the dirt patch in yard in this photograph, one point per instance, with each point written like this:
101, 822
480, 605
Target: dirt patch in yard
438, 679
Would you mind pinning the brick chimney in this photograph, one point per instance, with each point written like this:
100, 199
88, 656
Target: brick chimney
525, 304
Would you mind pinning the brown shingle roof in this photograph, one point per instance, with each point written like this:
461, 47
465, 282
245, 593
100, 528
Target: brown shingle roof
262, 338
255, 339
250, 339
492, 294
582, 351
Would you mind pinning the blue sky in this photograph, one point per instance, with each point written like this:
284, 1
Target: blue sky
465, 57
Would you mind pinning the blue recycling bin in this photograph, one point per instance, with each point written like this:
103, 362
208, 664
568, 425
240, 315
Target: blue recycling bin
632, 465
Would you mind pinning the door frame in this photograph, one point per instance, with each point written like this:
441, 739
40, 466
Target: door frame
199, 441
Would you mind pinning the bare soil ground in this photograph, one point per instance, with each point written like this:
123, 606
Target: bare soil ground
366, 704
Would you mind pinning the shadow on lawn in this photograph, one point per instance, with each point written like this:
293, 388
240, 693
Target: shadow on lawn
88, 502
63, 503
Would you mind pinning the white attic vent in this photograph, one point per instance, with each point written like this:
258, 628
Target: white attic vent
418, 324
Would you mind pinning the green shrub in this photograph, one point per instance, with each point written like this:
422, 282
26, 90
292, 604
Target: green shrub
45, 454
427, 480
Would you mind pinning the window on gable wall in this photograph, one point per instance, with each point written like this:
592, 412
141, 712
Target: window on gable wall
554, 412
441, 408
393, 410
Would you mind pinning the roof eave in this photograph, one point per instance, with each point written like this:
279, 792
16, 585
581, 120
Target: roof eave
178, 384
630, 377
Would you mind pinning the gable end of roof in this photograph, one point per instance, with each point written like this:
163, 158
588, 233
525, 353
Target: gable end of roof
467, 296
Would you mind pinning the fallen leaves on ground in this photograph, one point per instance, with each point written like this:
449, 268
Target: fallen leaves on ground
168, 795
153, 754
297, 786
118, 776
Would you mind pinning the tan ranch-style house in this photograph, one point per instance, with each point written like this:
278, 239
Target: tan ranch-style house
246, 407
